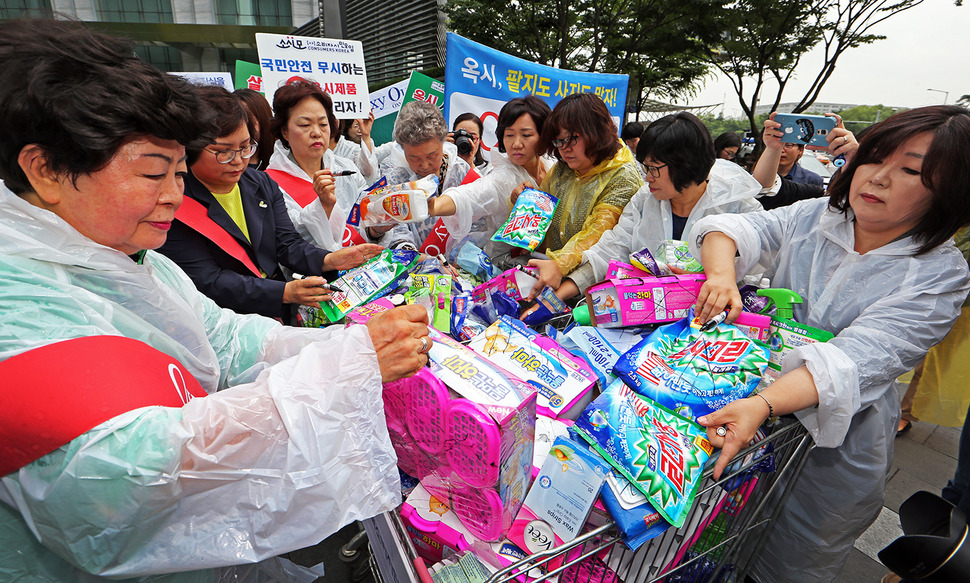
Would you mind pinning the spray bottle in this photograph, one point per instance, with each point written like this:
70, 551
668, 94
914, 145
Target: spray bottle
785, 334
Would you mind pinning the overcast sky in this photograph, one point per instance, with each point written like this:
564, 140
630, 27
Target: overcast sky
926, 47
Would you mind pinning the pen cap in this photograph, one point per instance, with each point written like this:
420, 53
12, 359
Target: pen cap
783, 300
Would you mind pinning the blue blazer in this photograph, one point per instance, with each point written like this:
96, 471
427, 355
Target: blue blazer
274, 242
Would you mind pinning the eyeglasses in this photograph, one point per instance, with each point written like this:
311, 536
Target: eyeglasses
560, 143
791, 145
652, 170
227, 156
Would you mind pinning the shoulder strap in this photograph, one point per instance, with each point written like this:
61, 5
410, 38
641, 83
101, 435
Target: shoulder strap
299, 189
52, 394
195, 216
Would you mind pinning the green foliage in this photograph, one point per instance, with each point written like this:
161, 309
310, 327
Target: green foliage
661, 44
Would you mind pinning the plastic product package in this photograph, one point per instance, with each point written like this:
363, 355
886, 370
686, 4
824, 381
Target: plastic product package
465, 324
517, 283
530, 219
397, 203
436, 289
361, 284
659, 452
590, 344
694, 373
548, 306
475, 261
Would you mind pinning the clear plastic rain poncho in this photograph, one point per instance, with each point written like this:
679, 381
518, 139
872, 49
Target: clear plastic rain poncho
293, 449
311, 221
589, 205
646, 221
482, 206
886, 309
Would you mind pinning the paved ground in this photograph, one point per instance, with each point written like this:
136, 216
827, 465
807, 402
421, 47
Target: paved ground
925, 459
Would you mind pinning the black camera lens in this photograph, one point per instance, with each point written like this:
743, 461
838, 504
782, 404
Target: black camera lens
463, 141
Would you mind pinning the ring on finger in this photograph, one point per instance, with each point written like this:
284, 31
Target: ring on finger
425, 345
721, 431
845, 140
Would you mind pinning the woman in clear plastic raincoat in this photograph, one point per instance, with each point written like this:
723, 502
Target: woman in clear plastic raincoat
285, 440
594, 179
876, 265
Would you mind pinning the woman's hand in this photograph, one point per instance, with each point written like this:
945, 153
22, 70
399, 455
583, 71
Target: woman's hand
350, 257
841, 141
772, 134
326, 189
400, 338
306, 292
720, 290
741, 419
549, 275
366, 125
518, 190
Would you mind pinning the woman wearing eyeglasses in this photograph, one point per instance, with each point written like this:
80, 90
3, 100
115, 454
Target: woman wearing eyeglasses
318, 199
595, 177
232, 232
684, 183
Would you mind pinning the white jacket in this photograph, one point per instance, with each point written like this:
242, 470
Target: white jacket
312, 222
289, 445
646, 221
886, 309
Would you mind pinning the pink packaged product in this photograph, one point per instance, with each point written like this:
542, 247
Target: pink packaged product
433, 526
465, 428
754, 325
361, 314
615, 303
516, 282
620, 270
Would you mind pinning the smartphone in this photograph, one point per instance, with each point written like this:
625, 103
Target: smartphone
808, 130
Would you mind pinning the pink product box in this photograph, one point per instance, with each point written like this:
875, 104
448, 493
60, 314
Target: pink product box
516, 282
620, 270
361, 314
465, 429
433, 526
638, 301
754, 325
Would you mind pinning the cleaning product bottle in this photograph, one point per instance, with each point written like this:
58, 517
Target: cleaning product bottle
785, 334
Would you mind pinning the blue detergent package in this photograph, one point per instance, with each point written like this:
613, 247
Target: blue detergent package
662, 454
694, 373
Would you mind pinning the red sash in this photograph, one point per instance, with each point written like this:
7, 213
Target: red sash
196, 217
438, 237
54, 393
302, 192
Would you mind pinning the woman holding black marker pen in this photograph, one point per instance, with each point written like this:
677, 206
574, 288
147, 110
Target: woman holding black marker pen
320, 188
232, 232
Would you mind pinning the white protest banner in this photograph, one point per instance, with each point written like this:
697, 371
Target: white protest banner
389, 99
223, 80
337, 65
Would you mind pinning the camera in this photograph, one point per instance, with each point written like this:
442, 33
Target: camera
463, 140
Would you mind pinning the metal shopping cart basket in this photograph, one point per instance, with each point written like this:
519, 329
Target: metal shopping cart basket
722, 534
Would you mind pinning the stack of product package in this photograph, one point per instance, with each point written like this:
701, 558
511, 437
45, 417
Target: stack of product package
519, 436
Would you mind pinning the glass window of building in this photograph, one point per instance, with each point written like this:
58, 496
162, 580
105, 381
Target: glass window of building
254, 12
17, 8
136, 10
167, 59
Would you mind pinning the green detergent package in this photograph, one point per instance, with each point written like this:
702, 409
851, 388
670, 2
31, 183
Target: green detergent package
661, 453
361, 285
530, 219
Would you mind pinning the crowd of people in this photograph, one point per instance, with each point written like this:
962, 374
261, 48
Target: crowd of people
187, 223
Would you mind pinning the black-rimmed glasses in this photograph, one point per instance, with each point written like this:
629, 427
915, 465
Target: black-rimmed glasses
652, 170
227, 156
560, 143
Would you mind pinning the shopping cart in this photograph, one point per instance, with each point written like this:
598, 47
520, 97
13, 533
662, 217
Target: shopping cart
723, 532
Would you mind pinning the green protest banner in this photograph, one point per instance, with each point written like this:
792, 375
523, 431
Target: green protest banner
248, 76
424, 88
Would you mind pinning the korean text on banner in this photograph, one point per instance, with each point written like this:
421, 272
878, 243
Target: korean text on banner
480, 80
248, 76
223, 80
424, 88
337, 65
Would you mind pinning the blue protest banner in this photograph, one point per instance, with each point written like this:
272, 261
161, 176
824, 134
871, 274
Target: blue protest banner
480, 79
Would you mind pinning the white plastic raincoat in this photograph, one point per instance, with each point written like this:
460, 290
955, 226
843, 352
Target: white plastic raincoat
482, 206
395, 168
886, 308
646, 221
311, 221
294, 448
364, 158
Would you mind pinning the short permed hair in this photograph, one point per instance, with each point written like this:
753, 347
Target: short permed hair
683, 143
419, 122
288, 96
81, 96
584, 114
944, 170
228, 113
537, 109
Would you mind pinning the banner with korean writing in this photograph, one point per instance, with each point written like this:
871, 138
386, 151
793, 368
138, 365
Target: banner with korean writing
480, 79
424, 88
248, 76
223, 80
337, 65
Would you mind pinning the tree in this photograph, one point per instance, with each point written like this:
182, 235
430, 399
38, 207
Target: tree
768, 38
661, 44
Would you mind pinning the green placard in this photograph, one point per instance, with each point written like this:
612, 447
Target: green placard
424, 88
248, 76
